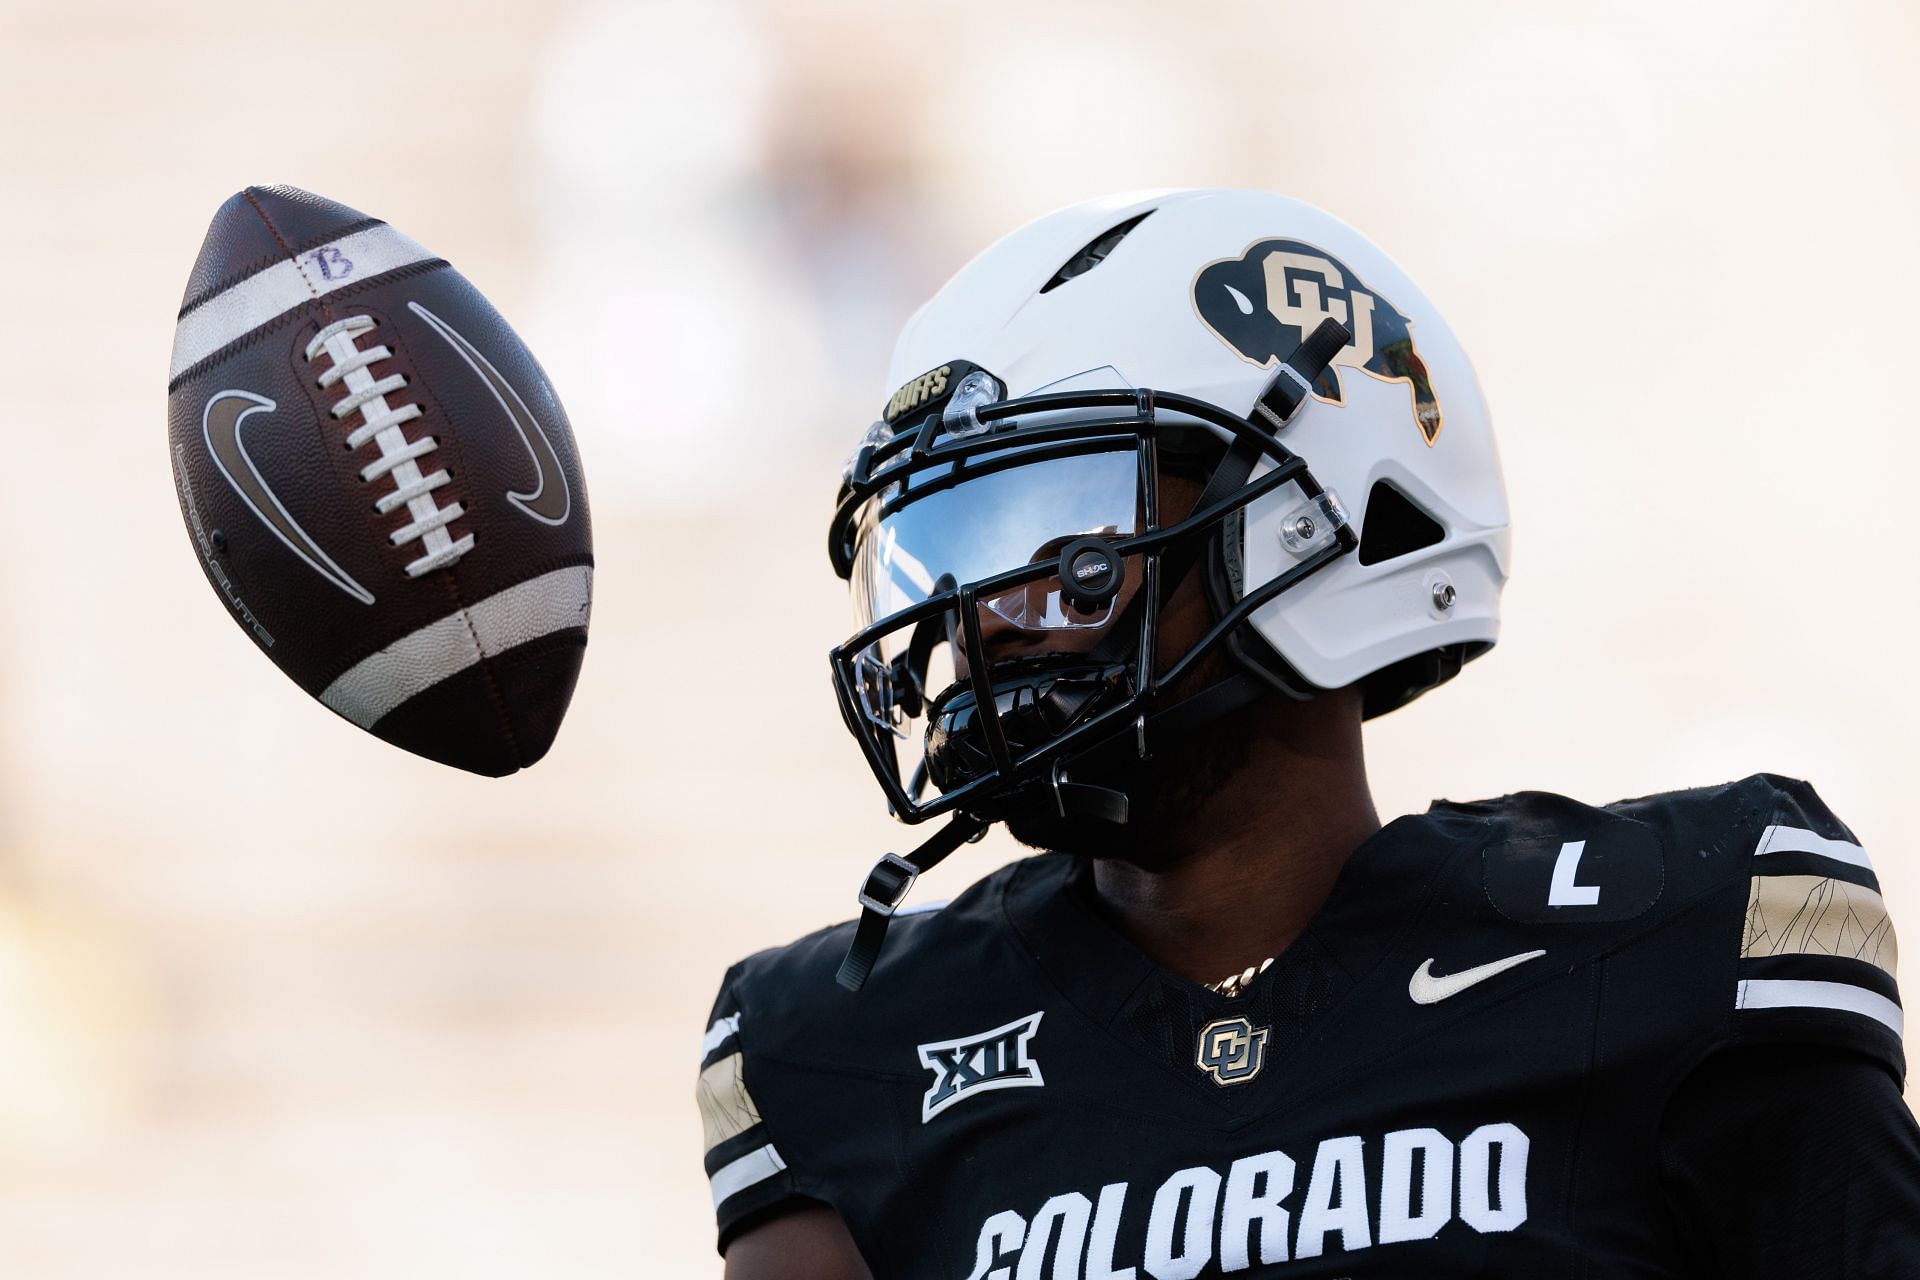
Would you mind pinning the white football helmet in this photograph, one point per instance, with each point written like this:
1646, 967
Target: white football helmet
1351, 525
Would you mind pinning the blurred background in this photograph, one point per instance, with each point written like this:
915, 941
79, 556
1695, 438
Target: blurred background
276, 999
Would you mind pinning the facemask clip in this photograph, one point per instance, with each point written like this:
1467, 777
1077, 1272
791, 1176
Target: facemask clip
976, 391
1313, 524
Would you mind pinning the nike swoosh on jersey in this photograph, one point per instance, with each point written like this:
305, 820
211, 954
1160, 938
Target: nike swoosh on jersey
1426, 988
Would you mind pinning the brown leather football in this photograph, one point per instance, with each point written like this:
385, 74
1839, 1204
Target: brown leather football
379, 481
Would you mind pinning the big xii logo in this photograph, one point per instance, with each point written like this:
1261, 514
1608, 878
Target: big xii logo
1266, 301
996, 1059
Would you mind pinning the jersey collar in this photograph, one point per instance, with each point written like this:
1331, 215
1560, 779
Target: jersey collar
1050, 902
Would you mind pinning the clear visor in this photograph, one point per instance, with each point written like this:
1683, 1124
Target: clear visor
906, 551
949, 535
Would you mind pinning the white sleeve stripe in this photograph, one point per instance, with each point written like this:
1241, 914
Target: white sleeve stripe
1778, 839
754, 1167
722, 1030
1786, 993
269, 294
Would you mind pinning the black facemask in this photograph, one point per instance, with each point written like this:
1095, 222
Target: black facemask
1055, 738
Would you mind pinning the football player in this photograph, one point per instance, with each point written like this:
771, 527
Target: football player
1173, 492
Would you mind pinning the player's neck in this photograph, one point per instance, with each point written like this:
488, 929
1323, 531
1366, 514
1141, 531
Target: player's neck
1254, 862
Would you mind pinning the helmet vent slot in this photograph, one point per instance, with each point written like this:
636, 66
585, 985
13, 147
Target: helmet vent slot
1094, 253
1394, 526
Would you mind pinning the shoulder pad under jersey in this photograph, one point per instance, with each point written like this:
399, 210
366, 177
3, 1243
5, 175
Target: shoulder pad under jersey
1745, 912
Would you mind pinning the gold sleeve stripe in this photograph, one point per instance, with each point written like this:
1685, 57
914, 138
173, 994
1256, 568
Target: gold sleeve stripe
726, 1108
1817, 916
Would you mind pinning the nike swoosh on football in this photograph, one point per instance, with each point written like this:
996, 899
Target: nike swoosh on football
220, 424
1425, 988
550, 501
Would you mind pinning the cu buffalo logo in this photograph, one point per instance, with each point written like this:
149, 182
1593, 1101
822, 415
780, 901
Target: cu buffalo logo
1231, 1050
1264, 302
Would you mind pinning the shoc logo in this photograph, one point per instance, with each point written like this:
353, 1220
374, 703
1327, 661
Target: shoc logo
996, 1059
1090, 569
1231, 1050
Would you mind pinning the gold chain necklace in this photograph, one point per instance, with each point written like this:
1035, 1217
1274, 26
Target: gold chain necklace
1235, 983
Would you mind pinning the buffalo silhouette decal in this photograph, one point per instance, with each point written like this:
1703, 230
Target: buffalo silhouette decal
1264, 302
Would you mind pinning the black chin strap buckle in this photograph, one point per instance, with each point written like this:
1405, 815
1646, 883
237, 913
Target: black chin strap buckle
887, 884
1293, 381
886, 888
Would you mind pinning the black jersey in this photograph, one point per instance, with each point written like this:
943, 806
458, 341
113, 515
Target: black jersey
1523, 1038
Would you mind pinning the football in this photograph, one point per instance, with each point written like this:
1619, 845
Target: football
379, 481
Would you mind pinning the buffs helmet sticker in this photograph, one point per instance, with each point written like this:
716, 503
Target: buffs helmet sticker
1266, 301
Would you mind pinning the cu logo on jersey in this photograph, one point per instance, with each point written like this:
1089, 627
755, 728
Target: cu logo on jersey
996, 1059
1231, 1050
1266, 301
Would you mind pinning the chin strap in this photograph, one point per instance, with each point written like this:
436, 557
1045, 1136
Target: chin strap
1069, 799
886, 888
1061, 797
1285, 393
1211, 703
1293, 381
1072, 799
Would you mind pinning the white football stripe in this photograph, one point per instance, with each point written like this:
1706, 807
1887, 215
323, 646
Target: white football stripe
1778, 839
1787, 993
755, 1166
418, 661
722, 1030
267, 295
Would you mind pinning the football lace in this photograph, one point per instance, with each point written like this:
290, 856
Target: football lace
399, 457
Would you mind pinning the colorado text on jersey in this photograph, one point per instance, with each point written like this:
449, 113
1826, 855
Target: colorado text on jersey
1242, 1216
